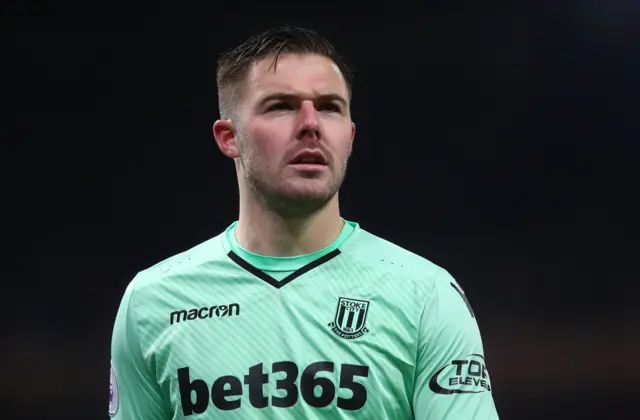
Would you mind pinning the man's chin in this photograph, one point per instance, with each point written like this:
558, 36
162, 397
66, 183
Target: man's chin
297, 196
310, 188
302, 200
306, 196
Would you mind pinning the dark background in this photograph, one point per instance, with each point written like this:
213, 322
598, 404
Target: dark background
501, 144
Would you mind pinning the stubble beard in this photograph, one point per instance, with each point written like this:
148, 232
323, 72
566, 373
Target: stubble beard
285, 199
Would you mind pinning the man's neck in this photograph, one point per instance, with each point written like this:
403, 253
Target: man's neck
266, 233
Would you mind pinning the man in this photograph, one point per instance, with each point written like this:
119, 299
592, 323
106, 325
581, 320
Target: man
293, 312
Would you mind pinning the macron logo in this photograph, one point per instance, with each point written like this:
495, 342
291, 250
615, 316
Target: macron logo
220, 311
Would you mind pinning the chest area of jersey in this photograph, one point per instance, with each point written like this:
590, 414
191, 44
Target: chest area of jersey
224, 328
302, 348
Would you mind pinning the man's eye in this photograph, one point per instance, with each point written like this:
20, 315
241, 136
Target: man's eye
280, 106
329, 107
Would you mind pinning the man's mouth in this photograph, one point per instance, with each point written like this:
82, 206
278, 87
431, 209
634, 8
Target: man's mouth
309, 158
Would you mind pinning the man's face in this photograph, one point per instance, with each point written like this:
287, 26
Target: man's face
295, 132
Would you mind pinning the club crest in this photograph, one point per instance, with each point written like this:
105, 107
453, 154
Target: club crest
350, 318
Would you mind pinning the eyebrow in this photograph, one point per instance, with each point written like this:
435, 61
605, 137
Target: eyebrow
283, 96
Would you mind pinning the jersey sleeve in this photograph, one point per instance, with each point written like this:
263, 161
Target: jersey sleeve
134, 392
452, 380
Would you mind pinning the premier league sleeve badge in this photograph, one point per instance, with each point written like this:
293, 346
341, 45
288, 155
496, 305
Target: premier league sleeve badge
113, 392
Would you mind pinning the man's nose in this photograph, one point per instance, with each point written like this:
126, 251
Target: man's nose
309, 124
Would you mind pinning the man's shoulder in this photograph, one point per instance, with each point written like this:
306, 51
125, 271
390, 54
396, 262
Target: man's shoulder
385, 255
185, 263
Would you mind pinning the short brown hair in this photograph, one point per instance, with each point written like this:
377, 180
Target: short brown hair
234, 65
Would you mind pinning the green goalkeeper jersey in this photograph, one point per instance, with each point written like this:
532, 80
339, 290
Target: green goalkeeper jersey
362, 329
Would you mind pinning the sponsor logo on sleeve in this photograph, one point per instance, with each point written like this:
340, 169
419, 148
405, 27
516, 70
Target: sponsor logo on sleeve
462, 376
114, 395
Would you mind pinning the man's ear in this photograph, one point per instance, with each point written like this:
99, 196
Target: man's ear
353, 136
224, 131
